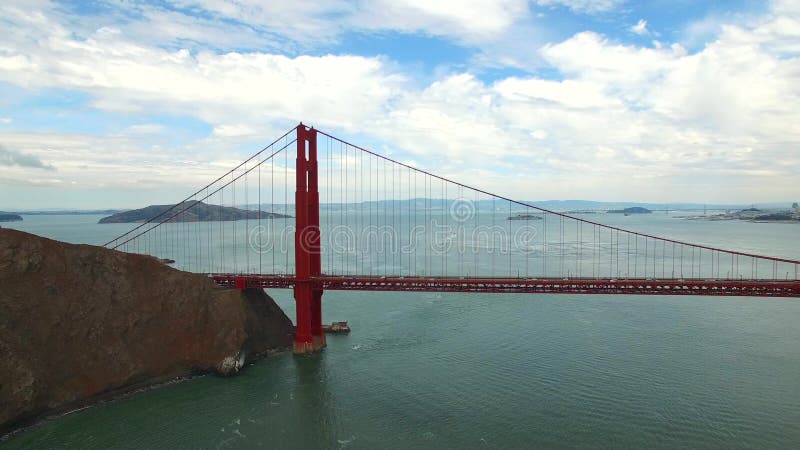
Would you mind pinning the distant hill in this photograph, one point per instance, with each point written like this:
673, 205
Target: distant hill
9, 217
631, 210
196, 212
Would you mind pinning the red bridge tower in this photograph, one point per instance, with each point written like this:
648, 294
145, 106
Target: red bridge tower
309, 336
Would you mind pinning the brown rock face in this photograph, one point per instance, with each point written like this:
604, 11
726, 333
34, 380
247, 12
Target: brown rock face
79, 321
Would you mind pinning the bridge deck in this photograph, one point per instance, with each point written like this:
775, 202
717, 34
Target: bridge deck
754, 288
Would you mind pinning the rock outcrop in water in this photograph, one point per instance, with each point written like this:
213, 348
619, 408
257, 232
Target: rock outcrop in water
79, 322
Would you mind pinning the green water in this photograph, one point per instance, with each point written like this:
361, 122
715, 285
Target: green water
489, 371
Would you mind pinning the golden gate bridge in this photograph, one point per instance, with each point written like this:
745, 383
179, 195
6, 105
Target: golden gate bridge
325, 214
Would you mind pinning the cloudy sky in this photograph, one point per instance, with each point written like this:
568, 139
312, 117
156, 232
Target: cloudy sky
123, 103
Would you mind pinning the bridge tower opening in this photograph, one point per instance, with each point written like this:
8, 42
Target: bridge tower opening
309, 335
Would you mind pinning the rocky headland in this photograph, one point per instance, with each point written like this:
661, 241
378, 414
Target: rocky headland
195, 211
80, 323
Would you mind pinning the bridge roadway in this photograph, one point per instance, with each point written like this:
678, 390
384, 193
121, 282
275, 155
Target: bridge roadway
633, 286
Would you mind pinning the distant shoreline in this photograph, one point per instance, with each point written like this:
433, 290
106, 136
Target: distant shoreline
752, 215
69, 212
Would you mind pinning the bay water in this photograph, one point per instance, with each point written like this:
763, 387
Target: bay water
427, 370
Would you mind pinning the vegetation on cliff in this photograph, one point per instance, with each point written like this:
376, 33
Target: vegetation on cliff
196, 211
78, 322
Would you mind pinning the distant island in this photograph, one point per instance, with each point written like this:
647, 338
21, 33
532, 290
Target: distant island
9, 217
631, 210
525, 216
197, 212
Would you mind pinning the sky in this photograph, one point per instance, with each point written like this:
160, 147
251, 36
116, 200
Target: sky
124, 103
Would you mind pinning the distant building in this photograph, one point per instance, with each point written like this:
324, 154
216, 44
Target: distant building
796, 209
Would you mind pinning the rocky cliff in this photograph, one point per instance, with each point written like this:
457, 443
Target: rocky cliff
78, 322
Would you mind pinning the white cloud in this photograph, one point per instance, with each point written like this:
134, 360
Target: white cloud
584, 6
124, 75
300, 20
785, 7
723, 118
304, 21
701, 32
640, 28
472, 20
539, 134
233, 130
15, 63
624, 123
568, 93
146, 128
11, 158
88, 161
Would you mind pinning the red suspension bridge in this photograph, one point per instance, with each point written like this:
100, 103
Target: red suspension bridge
339, 216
